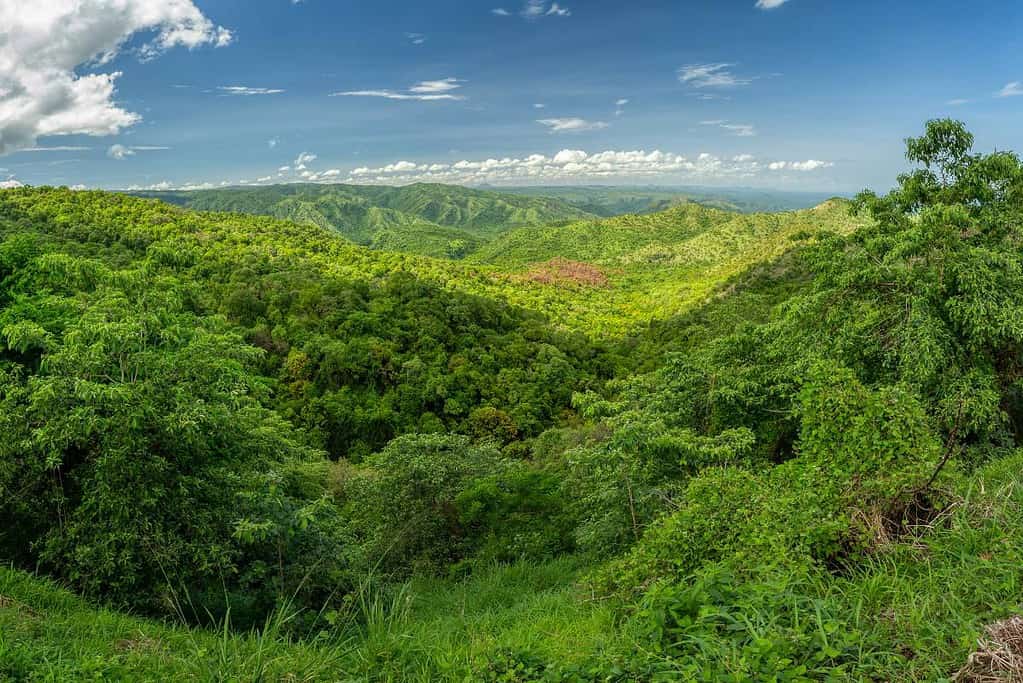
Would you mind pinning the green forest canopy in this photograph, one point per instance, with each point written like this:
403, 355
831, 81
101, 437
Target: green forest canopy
796, 458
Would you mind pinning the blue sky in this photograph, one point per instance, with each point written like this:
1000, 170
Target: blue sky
809, 94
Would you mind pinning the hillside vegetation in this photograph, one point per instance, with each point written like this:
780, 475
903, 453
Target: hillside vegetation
653, 267
607, 201
436, 220
690, 446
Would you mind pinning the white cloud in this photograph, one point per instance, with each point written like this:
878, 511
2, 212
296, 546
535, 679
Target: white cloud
416, 38
571, 125
245, 90
770, 4
10, 184
273, 142
441, 86
536, 9
570, 165
301, 160
539, 106
566, 166
569, 156
57, 148
711, 76
620, 106
43, 43
804, 166
119, 152
957, 102
742, 130
1014, 89
424, 91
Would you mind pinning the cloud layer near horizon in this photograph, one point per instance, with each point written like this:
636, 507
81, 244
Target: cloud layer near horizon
578, 165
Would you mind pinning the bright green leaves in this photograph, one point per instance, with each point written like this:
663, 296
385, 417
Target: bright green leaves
135, 440
24, 336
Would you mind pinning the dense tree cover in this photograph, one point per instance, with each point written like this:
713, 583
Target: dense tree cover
657, 267
173, 385
435, 220
812, 455
611, 200
365, 346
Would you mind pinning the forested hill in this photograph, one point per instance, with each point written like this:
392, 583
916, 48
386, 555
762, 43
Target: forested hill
611, 200
436, 220
689, 446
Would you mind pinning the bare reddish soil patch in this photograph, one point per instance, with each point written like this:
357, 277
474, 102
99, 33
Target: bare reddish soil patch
565, 271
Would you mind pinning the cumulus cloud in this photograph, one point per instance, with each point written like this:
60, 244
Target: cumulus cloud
770, 4
711, 76
42, 43
119, 152
10, 184
424, 91
301, 160
573, 165
571, 125
808, 165
1014, 89
245, 90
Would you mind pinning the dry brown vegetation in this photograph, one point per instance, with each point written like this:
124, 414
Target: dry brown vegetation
562, 270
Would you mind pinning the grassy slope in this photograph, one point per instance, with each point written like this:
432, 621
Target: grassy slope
428, 630
921, 604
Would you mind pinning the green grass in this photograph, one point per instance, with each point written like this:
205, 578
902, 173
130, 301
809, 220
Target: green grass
919, 606
426, 630
48, 634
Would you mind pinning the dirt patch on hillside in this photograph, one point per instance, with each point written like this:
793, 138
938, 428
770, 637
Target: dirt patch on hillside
565, 271
998, 657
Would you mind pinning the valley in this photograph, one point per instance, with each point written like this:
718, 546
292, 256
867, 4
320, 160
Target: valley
693, 444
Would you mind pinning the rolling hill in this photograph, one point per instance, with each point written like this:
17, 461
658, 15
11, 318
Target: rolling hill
436, 220
692, 445
649, 267
611, 200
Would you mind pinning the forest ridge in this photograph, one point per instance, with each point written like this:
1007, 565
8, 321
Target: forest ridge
430, 433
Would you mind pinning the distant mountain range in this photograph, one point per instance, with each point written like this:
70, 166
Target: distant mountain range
434, 220
450, 221
610, 201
